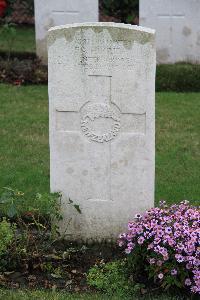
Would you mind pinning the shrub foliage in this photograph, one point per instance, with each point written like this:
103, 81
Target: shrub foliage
6, 235
124, 10
28, 231
180, 77
112, 278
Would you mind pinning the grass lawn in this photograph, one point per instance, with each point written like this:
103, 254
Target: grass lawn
42, 295
24, 152
22, 41
178, 147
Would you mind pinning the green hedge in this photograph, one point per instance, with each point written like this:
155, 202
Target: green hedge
124, 10
25, 67
180, 77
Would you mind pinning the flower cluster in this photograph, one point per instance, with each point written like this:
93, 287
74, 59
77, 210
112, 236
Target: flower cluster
3, 6
169, 237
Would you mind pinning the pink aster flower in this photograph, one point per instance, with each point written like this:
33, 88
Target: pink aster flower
128, 250
160, 276
170, 238
121, 243
188, 266
188, 282
174, 272
152, 261
140, 240
168, 230
179, 258
159, 263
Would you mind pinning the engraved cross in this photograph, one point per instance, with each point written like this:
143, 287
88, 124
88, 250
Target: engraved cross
101, 123
171, 20
99, 118
70, 9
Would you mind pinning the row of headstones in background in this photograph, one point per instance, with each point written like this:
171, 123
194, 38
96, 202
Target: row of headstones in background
49, 13
177, 25
102, 134
176, 22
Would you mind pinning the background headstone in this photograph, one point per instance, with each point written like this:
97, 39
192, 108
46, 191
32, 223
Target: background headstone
177, 28
50, 13
101, 98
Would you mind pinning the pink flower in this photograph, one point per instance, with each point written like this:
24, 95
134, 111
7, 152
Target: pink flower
160, 276
168, 230
128, 251
188, 266
166, 257
159, 263
188, 282
152, 261
139, 230
150, 246
174, 272
121, 243
179, 258
140, 240
170, 238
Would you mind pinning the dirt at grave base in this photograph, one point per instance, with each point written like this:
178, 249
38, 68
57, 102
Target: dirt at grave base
62, 268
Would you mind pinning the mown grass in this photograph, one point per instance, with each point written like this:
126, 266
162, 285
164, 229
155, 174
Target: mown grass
24, 153
22, 41
177, 146
49, 295
24, 150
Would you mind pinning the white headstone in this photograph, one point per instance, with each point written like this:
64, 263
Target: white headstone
101, 98
177, 28
50, 13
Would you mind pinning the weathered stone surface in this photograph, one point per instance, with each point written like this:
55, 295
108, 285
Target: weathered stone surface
101, 99
50, 13
177, 28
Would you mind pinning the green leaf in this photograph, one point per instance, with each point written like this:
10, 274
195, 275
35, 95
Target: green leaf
12, 211
77, 207
56, 276
5, 198
38, 196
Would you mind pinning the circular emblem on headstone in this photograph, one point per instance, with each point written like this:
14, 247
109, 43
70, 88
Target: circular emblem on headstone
100, 122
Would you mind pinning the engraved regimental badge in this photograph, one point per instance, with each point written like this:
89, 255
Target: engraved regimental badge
100, 122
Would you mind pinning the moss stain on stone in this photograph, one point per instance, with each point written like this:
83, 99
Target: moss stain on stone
125, 35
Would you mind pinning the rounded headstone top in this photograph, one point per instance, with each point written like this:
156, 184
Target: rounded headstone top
103, 25
118, 31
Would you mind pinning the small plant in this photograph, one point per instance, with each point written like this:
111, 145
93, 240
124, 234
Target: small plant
8, 34
13, 204
36, 226
6, 235
10, 201
164, 245
112, 279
